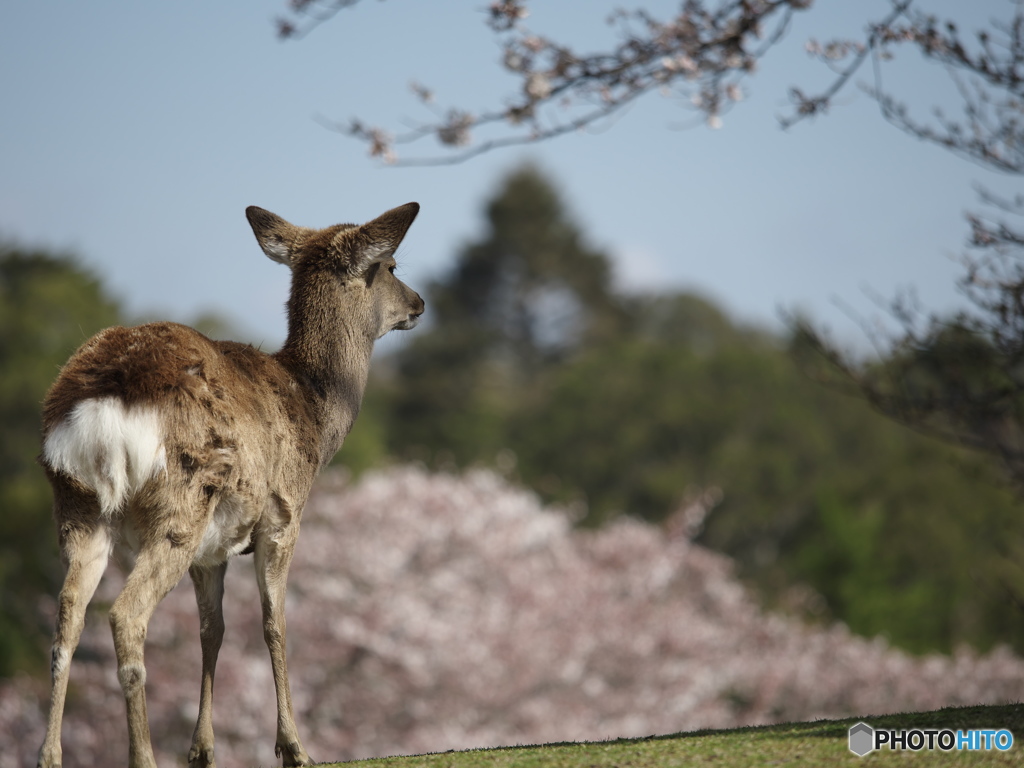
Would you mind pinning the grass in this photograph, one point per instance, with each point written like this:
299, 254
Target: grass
791, 744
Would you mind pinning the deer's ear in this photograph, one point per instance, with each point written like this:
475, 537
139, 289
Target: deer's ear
276, 236
379, 239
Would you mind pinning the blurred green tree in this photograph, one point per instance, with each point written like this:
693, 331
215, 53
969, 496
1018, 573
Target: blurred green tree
957, 377
896, 534
49, 304
525, 297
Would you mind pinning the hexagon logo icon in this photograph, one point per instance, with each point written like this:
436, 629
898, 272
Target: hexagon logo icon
862, 739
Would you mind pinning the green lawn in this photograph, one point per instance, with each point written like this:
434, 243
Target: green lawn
802, 744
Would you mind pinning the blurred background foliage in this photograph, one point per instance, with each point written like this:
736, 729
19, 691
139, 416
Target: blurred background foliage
49, 305
611, 403
534, 362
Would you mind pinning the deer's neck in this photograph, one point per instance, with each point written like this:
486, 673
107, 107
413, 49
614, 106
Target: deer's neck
328, 353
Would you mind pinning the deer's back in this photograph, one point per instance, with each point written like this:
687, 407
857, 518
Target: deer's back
161, 416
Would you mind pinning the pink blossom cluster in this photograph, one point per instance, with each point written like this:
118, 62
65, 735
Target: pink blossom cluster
431, 611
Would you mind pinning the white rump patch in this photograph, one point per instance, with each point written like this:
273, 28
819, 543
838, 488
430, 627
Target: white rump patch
109, 448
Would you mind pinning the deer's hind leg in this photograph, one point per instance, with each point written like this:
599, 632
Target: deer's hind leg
85, 545
168, 546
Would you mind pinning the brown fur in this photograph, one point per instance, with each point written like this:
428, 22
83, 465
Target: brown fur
241, 436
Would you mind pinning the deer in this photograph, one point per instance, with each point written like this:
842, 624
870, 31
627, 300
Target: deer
180, 453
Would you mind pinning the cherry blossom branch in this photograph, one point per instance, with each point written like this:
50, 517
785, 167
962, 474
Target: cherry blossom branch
808, 106
701, 54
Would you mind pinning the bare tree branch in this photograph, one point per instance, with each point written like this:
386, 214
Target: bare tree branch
989, 76
307, 15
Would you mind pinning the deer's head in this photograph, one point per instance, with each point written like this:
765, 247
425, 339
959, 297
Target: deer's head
346, 268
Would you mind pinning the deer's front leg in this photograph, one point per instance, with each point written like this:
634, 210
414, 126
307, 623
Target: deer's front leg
273, 557
209, 586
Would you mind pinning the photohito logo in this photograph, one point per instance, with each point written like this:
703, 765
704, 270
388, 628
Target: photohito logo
864, 739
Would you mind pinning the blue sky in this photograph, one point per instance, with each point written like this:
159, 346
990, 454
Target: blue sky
135, 134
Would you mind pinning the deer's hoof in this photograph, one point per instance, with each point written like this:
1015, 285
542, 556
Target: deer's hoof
49, 758
291, 754
201, 757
